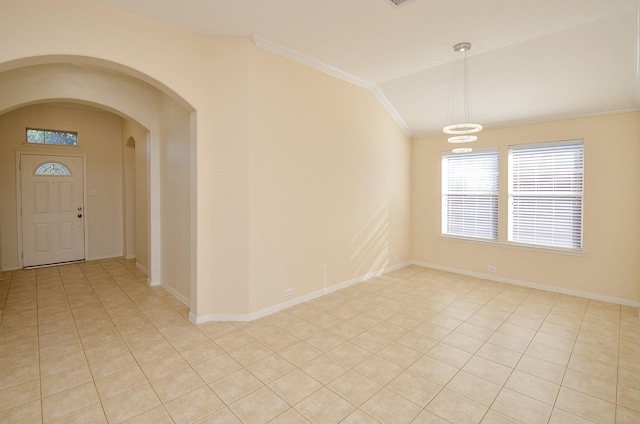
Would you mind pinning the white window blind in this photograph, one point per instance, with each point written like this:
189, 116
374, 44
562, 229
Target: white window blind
545, 194
470, 195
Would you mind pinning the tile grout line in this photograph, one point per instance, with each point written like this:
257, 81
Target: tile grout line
115, 282
519, 359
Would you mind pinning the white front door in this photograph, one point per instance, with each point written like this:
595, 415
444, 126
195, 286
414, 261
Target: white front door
52, 209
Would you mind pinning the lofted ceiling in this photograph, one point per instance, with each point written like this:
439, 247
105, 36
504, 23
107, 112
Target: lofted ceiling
531, 61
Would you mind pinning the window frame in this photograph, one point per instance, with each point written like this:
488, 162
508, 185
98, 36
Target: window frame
29, 143
568, 195
493, 227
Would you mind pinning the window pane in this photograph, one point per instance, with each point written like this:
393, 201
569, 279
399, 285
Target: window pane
52, 168
472, 216
68, 139
546, 188
51, 137
35, 136
60, 138
470, 195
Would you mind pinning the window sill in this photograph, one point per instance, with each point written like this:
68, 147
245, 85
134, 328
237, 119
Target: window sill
55, 146
508, 245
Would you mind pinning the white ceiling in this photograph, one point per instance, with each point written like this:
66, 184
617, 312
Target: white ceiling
531, 61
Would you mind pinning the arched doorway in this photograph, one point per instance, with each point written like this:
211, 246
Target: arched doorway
164, 143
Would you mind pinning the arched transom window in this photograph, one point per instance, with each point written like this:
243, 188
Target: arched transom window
52, 168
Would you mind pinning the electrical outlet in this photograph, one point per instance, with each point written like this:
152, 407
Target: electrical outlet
288, 292
492, 268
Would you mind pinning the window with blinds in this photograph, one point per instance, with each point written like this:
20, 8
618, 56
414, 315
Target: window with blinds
470, 195
545, 194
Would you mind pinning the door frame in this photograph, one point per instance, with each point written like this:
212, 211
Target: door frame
19, 154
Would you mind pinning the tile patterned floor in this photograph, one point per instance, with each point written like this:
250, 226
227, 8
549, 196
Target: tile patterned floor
91, 343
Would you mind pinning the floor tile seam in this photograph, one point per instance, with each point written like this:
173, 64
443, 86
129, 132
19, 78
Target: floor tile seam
628, 369
129, 351
527, 396
440, 416
40, 356
503, 387
245, 368
248, 394
564, 374
618, 363
156, 394
301, 400
20, 384
482, 378
334, 392
114, 324
93, 381
215, 412
531, 341
42, 398
592, 395
582, 416
76, 410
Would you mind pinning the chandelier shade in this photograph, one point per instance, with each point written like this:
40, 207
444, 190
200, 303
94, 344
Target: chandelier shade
459, 129
462, 150
462, 139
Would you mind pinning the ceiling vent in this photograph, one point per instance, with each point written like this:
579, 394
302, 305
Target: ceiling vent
398, 2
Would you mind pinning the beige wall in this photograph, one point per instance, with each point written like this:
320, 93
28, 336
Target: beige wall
175, 206
99, 139
609, 266
329, 175
140, 193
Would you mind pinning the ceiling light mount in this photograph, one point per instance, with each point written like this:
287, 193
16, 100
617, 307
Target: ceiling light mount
398, 2
462, 47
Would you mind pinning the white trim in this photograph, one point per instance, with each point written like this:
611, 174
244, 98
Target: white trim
102, 258
155, 231
305, 60
392, 111
553, 289
335, 72
142, 269
176, 294
193, 209
285, 305
546, 119
512, 245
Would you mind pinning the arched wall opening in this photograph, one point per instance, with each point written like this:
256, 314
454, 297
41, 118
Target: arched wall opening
163, 127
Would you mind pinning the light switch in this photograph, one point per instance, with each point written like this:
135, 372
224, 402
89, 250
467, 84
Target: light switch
92, 192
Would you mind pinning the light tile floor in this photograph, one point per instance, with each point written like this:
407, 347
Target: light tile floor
91, 343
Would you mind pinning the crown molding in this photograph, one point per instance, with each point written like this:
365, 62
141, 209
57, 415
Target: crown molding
335, 72
392, 111
535, 120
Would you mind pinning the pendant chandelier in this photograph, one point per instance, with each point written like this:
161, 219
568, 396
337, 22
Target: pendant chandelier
461, 130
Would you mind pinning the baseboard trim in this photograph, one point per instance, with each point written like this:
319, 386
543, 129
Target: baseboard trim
293, 302
176, 294
528, 284
141, 268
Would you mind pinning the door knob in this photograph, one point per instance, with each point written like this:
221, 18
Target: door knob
79, 215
